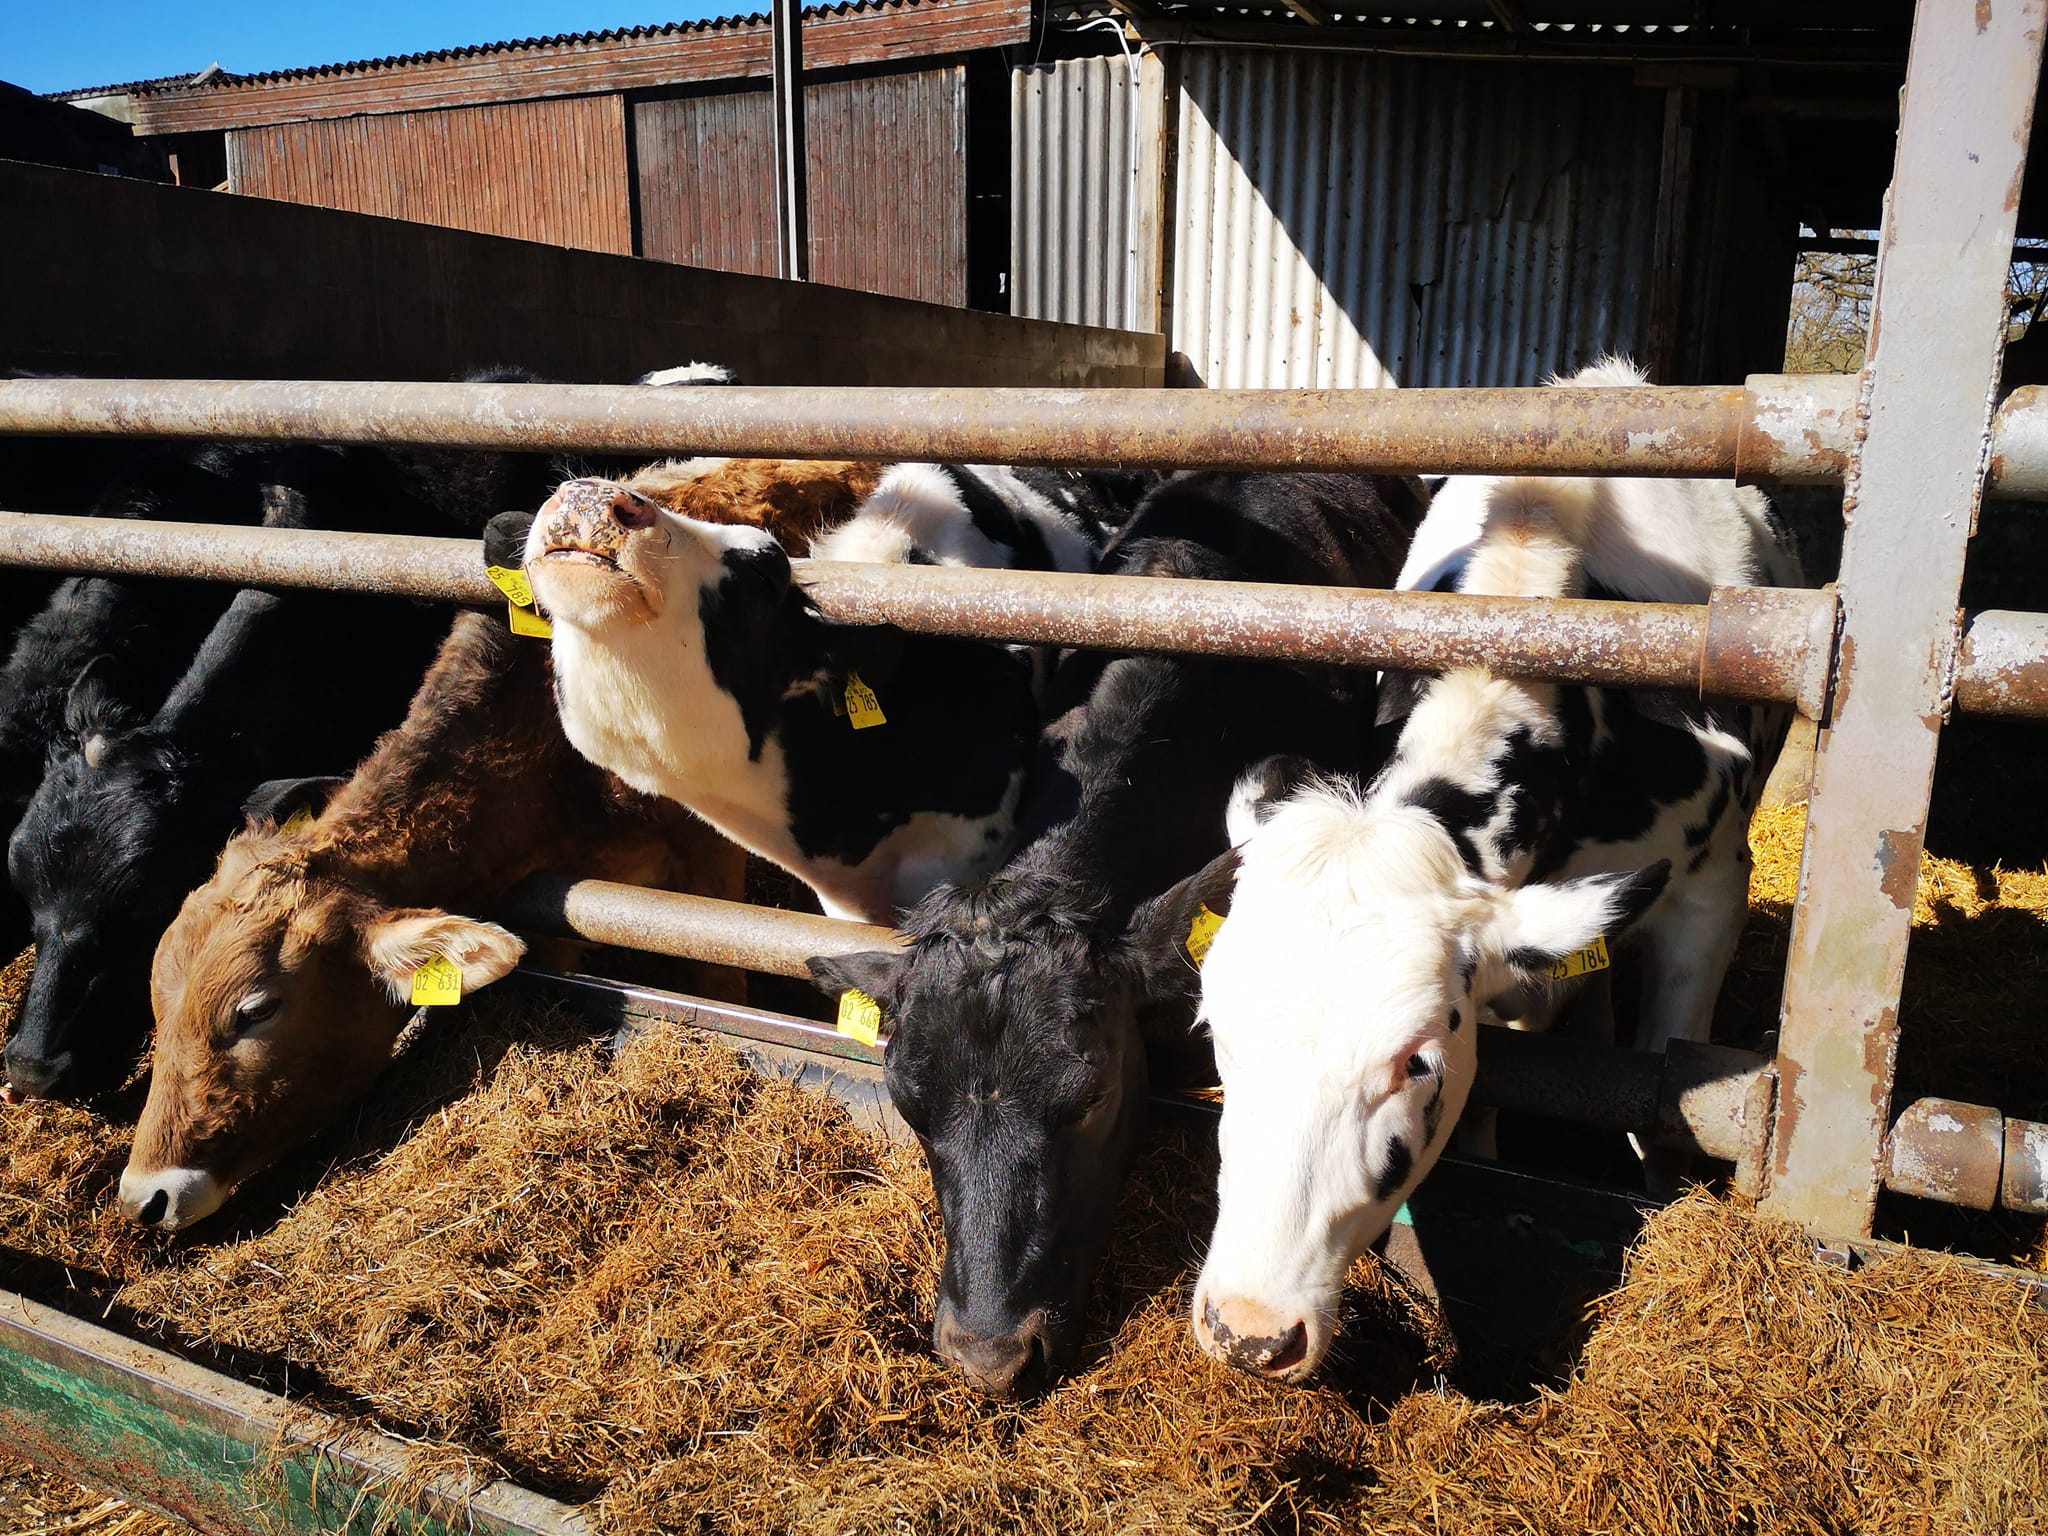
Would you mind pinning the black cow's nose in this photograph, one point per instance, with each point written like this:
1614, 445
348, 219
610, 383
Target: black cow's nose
1002, 1365
37, 1077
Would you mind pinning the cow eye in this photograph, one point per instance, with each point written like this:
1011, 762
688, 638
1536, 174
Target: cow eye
259, 1007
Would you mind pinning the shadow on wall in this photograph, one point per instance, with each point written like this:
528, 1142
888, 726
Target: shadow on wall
1347, 221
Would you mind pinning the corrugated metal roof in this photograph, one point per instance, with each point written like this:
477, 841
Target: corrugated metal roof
224, 79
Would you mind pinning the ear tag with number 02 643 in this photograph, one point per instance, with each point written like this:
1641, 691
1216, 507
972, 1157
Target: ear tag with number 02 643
1581, 961
437, 984
860, 1017
862, 707
1202, 933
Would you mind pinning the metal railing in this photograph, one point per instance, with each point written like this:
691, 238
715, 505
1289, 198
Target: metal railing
1878, 663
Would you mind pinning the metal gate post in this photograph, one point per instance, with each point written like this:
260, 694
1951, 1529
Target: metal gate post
1912, 491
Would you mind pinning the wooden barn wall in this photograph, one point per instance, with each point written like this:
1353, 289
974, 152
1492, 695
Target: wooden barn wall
553, 171
888, 181
201, 286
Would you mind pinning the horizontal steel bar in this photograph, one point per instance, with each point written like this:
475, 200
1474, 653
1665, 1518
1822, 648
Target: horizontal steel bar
1777, 427
1747, 643
2003, 665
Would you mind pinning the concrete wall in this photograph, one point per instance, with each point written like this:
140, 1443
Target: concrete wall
114, 277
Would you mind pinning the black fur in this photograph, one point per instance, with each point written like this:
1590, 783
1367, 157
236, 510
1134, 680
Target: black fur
1016, 1052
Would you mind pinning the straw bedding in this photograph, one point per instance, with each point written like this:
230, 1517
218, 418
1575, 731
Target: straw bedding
657, 1282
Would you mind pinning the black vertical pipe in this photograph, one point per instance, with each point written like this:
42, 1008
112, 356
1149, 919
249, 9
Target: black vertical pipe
792, 210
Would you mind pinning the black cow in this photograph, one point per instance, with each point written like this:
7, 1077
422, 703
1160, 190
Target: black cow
1015, 1051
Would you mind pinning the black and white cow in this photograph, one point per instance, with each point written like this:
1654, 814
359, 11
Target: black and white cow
870, 764
1015, 1050
1514, 825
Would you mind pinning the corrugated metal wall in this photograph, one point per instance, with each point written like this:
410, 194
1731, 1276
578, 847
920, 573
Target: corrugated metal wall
888, 182
1341, 220
1350, 221
541, 170
1084, 231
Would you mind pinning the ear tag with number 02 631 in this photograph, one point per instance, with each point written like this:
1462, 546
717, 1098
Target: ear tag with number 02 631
862, 707
437, 984
1202, 933
860, 1017
302, 817
1581, 961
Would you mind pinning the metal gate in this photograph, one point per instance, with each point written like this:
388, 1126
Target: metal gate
1878, 663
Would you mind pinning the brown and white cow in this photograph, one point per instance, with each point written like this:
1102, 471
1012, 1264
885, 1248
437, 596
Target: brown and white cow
283, 984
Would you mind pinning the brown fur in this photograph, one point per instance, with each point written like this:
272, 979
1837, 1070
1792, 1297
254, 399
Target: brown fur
476, 790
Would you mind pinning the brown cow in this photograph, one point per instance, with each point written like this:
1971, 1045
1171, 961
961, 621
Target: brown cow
284, 982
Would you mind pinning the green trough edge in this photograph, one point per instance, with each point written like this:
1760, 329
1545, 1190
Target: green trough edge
174, 1437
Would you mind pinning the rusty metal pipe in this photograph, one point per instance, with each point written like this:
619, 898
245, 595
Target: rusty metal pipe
2003, 665
690, 927
1969, 1155
1743, 643
1685, 430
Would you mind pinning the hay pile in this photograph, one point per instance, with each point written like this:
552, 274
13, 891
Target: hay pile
696, 1299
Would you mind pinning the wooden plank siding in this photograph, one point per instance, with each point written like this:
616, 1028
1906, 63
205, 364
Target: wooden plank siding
553, 171
888, 181
834, 37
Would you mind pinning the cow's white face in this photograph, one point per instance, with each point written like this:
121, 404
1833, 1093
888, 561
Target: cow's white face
599, 553
1341, 993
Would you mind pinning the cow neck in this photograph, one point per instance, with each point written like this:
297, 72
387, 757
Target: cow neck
474, 791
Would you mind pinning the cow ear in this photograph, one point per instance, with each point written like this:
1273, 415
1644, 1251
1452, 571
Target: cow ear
91, 707
877, 972
1259, 793
275, 801
505, 539
396, 942
1164, 944
1535, 925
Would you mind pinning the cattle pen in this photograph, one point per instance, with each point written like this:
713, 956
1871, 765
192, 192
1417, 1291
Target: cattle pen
1879, 662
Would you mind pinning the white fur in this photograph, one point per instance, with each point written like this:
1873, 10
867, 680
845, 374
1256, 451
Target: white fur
687, 373
1356, 927
189, 1194
916, 507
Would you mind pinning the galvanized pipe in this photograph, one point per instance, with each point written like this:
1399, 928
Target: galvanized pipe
1745, 643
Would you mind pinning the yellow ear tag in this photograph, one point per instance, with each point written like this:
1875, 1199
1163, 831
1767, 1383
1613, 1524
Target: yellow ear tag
862, 707
1581, 961
302, 817
511, 581
525, 621
437, 984
860, 1017
1202, 933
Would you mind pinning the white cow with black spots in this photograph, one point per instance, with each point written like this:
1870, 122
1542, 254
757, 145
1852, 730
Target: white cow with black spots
1515, 824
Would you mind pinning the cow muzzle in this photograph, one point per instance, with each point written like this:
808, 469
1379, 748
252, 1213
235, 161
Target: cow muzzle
1002, 1365
590, 520
170, 1198
1251, 1337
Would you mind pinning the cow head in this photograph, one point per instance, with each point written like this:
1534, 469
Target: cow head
113, 838
279, 994
1014, 1054
1342, 994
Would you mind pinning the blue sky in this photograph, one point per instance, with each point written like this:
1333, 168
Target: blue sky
55, 45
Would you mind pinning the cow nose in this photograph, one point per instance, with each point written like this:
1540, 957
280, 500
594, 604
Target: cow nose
1252, 1338
630, 511
1002, 1365
37, 1077
169, 1197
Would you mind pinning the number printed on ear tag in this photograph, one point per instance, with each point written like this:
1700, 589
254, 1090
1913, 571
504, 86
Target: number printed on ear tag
1202, 933
860, 1017
1581, 961
437, 984
862, 707
511, 581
